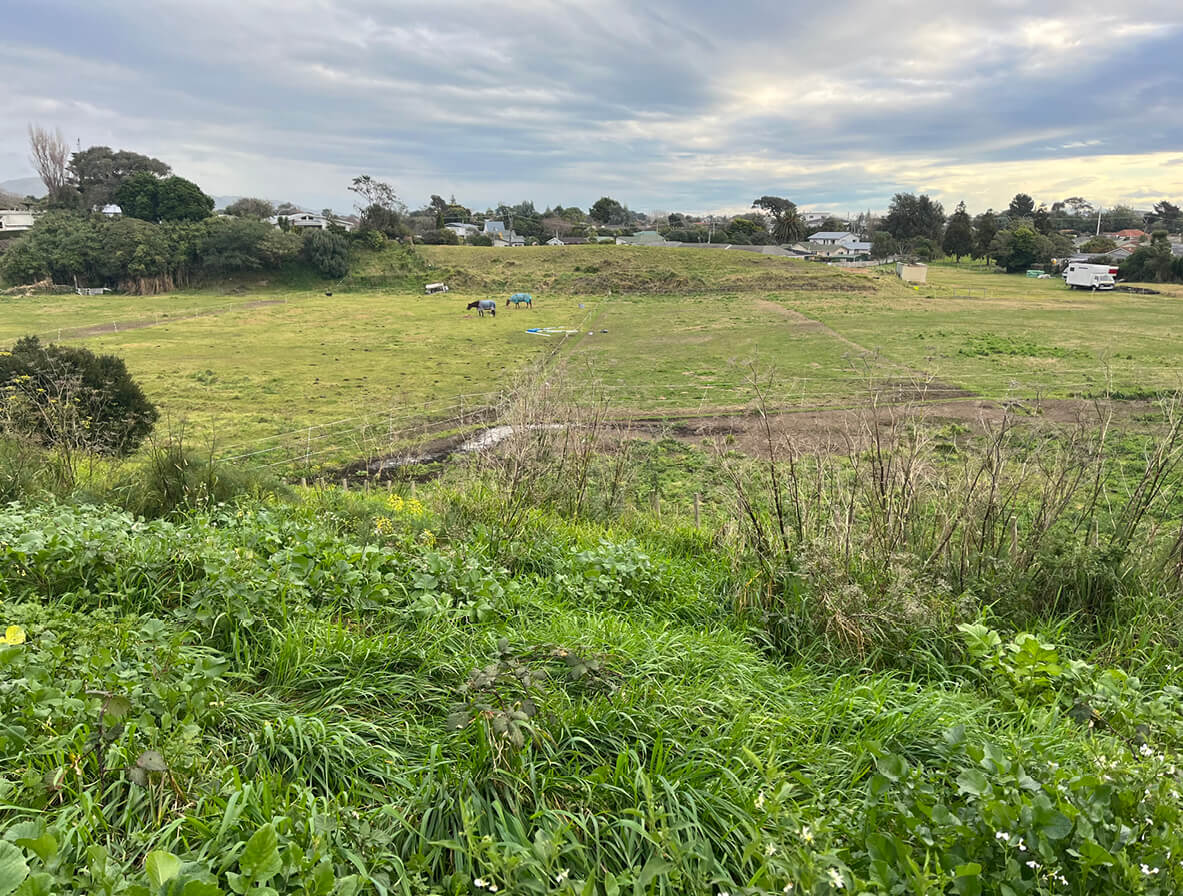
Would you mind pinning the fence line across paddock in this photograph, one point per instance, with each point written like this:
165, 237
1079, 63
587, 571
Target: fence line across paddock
370, 438
159, 318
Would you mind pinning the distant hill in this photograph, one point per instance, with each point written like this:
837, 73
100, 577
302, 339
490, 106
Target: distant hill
24, 186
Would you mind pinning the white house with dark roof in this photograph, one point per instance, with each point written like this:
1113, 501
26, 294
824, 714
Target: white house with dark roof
312, 221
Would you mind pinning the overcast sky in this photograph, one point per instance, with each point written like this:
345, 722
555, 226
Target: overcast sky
664, 105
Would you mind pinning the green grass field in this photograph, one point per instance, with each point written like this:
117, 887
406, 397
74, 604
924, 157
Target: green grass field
947, 665
661, 330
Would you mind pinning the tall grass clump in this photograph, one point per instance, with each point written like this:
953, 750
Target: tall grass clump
901, 532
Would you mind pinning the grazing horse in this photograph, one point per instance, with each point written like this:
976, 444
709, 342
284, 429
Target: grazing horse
481, 306
519, 298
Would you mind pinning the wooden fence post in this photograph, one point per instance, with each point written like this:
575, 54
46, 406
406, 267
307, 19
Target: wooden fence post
697, 510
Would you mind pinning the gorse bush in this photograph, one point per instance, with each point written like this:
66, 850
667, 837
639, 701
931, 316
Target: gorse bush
68, 397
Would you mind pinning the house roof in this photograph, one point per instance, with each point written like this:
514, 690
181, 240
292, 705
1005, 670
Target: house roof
1132, 234
831, 235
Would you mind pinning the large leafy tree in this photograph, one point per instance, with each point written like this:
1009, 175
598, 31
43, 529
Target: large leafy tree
1166, 215
1121, 217
1022, 206
98, 172
379, 207
607, 210
912, 217
1153, 262
376, 192
1042, 220
256, 209
1021, 248
147, 197
985, 229
240, 244
182, 200
959, 234
883, 244
786, 223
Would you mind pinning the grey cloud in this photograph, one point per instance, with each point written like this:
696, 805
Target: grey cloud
658, 103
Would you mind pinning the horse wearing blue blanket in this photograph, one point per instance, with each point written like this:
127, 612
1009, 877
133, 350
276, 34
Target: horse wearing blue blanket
481, 306
520, 298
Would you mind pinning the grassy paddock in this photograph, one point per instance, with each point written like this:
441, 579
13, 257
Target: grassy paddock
662, 330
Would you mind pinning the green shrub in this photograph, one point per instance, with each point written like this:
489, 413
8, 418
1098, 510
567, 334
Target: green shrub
327, 252
69, 397
174, 480
441, 237
370, 239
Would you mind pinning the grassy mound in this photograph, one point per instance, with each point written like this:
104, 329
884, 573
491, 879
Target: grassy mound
596, 270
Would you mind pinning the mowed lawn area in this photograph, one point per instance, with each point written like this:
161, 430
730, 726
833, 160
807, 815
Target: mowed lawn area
673, 330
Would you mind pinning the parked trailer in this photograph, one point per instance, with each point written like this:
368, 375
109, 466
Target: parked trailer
431, 288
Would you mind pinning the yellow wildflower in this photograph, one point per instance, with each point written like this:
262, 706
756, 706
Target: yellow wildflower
14, 634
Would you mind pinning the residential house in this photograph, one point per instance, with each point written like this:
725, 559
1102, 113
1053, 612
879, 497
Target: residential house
815, 219
831, 237
464, 231
1135, 235
16, 219
493, 228
508, 239
312, 221
834, 246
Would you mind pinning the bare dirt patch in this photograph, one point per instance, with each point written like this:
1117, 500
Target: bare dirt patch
813, 431
824, 431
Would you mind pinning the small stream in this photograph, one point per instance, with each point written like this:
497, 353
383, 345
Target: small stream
482, 441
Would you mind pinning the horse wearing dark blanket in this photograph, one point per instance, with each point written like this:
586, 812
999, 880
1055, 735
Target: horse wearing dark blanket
481, 306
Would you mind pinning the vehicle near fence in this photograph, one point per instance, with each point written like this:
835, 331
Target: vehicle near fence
432, 288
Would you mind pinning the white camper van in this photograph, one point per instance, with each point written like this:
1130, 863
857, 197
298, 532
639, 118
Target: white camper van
1090, 276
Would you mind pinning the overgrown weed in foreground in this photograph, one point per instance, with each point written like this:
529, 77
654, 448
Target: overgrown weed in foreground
496, 684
